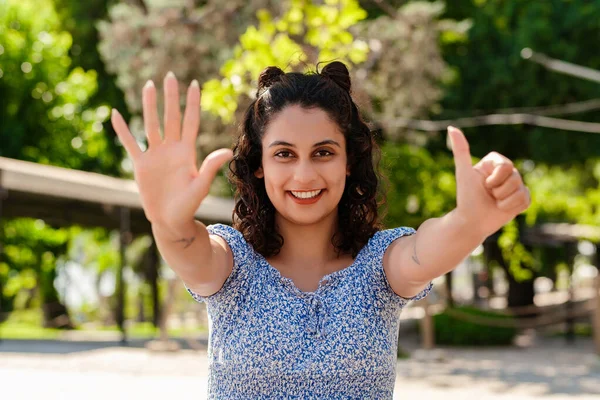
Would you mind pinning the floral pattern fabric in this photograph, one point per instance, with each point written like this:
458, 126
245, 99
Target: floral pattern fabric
269, 340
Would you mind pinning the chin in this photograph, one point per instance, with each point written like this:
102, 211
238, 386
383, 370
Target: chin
307, 218
306, 221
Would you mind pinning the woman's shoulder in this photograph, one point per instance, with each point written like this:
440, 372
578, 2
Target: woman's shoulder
236, 283
377, 246
381, 240
227, 232
234, 238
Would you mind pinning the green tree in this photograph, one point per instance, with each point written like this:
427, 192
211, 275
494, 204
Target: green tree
306, 33
46, 118
28, 268
405, 70
224, 47
420, 186
142, 40
45, 114
490, 73
80, 19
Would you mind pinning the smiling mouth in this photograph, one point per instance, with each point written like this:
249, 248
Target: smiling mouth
306, 194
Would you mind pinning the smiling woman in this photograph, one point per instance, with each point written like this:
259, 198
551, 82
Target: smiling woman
307, 282
294, 139
303, 167
305, 291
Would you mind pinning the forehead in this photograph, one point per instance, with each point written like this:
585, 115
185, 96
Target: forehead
298, 125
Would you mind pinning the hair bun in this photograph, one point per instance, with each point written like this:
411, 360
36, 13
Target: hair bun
267, 77
337, 72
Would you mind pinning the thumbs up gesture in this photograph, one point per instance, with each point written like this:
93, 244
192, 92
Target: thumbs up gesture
490, 193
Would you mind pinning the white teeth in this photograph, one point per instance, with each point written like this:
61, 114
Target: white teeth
306, 195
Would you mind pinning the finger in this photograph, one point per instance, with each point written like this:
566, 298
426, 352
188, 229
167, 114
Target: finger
172, 108
208, 170
508, 187
492, 160
191, 117
151, 121
500, 174
460, 149
125, 135
516, 202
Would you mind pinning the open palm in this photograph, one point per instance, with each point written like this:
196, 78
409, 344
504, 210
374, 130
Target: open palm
171, 187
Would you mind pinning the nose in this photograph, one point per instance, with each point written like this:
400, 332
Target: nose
305, 172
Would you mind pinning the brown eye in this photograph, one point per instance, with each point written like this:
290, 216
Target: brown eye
283, 154
324, 153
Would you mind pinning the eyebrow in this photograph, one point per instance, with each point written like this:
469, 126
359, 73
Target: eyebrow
324, 142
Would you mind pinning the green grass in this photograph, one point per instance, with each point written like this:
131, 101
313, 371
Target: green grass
146, 329
582, 329
23, 331
27, 324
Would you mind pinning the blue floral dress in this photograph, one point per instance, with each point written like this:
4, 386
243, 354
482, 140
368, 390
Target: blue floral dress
269, 340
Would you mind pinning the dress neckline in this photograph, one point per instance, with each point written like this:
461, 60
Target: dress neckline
325, 281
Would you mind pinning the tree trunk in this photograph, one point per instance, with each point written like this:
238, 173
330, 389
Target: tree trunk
449, 289
519, 293
152, 278
55, 313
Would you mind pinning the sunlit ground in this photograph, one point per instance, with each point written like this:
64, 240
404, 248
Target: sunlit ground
548, 370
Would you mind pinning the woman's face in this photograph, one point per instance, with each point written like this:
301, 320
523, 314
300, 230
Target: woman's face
304, 164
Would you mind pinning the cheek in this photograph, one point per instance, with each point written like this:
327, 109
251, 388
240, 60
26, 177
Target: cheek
275, 177
336, 174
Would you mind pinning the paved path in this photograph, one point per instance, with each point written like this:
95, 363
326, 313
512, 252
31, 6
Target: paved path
550, 370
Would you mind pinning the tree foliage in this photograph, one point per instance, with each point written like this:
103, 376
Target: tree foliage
45, 115
405, 70
224, 47
46, 118
31, 250
305, 34
420, 186
191, 39
490, 73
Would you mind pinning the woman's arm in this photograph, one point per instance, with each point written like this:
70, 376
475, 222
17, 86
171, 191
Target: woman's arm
172, 188
202, 262
489, 194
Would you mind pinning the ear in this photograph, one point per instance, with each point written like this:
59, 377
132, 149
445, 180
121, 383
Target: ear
348, 170
259, 173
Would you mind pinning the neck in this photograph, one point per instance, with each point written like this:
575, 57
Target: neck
307, 246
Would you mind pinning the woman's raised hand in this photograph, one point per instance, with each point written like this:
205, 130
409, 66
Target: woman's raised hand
490, 193
171, 187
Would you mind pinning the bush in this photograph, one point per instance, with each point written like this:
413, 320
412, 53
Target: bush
456, 332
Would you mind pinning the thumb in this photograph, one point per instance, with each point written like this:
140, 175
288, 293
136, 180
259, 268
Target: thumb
208, 170
460, 150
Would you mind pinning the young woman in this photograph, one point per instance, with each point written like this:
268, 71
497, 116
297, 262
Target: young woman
304, 292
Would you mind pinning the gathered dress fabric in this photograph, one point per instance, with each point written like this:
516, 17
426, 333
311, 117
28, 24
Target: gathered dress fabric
270, 340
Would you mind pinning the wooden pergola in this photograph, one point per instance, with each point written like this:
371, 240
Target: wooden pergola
63, 197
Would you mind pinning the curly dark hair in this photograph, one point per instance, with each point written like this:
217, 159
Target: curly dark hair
329, 90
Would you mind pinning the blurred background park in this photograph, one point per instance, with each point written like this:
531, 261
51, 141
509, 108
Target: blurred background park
78, 262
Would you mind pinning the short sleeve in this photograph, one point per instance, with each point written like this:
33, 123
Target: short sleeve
378, 244
236, 283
